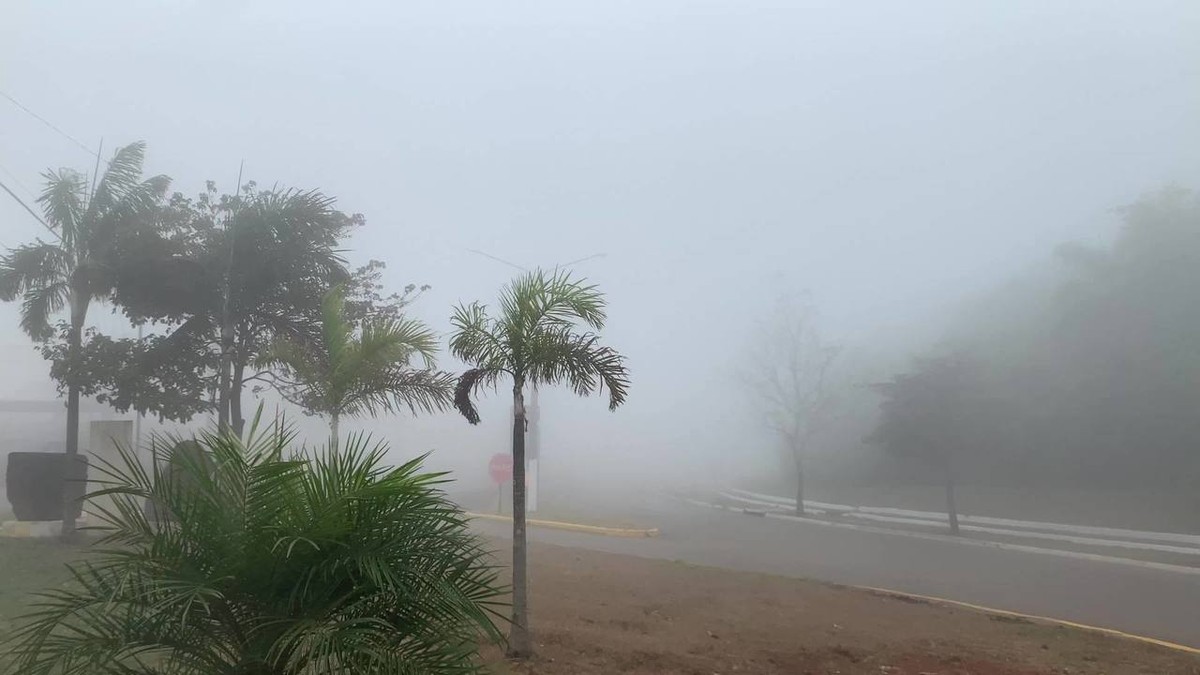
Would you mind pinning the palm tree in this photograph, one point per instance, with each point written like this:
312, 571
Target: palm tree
344, 374
90, 225
536, 341
255, 563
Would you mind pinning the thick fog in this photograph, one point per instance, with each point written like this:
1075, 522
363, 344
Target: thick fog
899, 162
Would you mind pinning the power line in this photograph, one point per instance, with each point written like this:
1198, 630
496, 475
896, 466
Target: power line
525, 269
31, 211
17, 181
583, 259
499, 260
43, 120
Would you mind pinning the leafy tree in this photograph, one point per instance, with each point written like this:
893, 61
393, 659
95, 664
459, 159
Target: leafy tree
788, 374
234, 274
90, 223
274, 259
1122, 361
535, 340
170, 377
352, 372
174, 376
933, 414
330, 563
366, 299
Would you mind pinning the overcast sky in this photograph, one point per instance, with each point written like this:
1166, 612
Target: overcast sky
888, 156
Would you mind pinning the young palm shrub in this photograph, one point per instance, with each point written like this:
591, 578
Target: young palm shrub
540, 336
348, 372
254, 563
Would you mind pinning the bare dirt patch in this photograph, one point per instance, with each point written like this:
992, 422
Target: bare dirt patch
604, 613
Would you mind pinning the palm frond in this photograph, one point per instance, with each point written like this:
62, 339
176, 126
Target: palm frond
63, 201
476, 338
121, 175
464, 391
31, 266
336, 331
289, 355
341, 373
575, 299
539, 297
580, 361
134, 208
394, 389
397, 341
39, 304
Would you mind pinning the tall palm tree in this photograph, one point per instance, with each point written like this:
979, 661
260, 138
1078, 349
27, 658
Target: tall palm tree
535, 340
347, 372
90, 223
255, 563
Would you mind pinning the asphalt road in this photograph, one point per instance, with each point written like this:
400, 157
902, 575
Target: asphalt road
1150, 602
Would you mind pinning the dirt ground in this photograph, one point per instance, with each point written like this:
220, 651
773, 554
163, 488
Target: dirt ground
597, 613
601, 613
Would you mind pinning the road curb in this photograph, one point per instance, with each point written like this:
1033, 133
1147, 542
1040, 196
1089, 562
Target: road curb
575, 527
1031, 617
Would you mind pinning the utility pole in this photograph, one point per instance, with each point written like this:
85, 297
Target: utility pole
137, 421
533, 448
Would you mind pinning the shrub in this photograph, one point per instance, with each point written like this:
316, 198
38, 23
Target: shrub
328, 562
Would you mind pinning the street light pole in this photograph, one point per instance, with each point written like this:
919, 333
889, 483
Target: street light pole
137, 421
533, 448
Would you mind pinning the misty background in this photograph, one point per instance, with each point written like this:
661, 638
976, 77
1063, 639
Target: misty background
913, 166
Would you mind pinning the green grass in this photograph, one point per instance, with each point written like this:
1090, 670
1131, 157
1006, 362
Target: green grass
28, 566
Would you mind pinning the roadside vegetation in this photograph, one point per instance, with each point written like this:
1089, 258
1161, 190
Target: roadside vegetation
239, 551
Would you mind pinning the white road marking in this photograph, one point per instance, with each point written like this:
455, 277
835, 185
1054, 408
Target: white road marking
1145, 564
1028, 534
1110, 532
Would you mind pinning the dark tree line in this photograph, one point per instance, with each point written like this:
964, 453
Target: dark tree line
1094, 378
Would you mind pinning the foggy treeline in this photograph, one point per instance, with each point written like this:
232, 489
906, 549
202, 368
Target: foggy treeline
1083, 370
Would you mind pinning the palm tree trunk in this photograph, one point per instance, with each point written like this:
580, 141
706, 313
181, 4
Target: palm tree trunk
334, 418
520, 642
78, 303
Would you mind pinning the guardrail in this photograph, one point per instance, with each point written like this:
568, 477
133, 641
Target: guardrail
1186, 544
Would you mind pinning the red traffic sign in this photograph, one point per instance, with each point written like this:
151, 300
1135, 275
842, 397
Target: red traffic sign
501, 467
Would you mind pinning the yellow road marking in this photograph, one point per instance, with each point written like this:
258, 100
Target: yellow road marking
1034, 617
575, 527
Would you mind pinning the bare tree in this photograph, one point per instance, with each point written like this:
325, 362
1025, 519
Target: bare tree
788, 375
